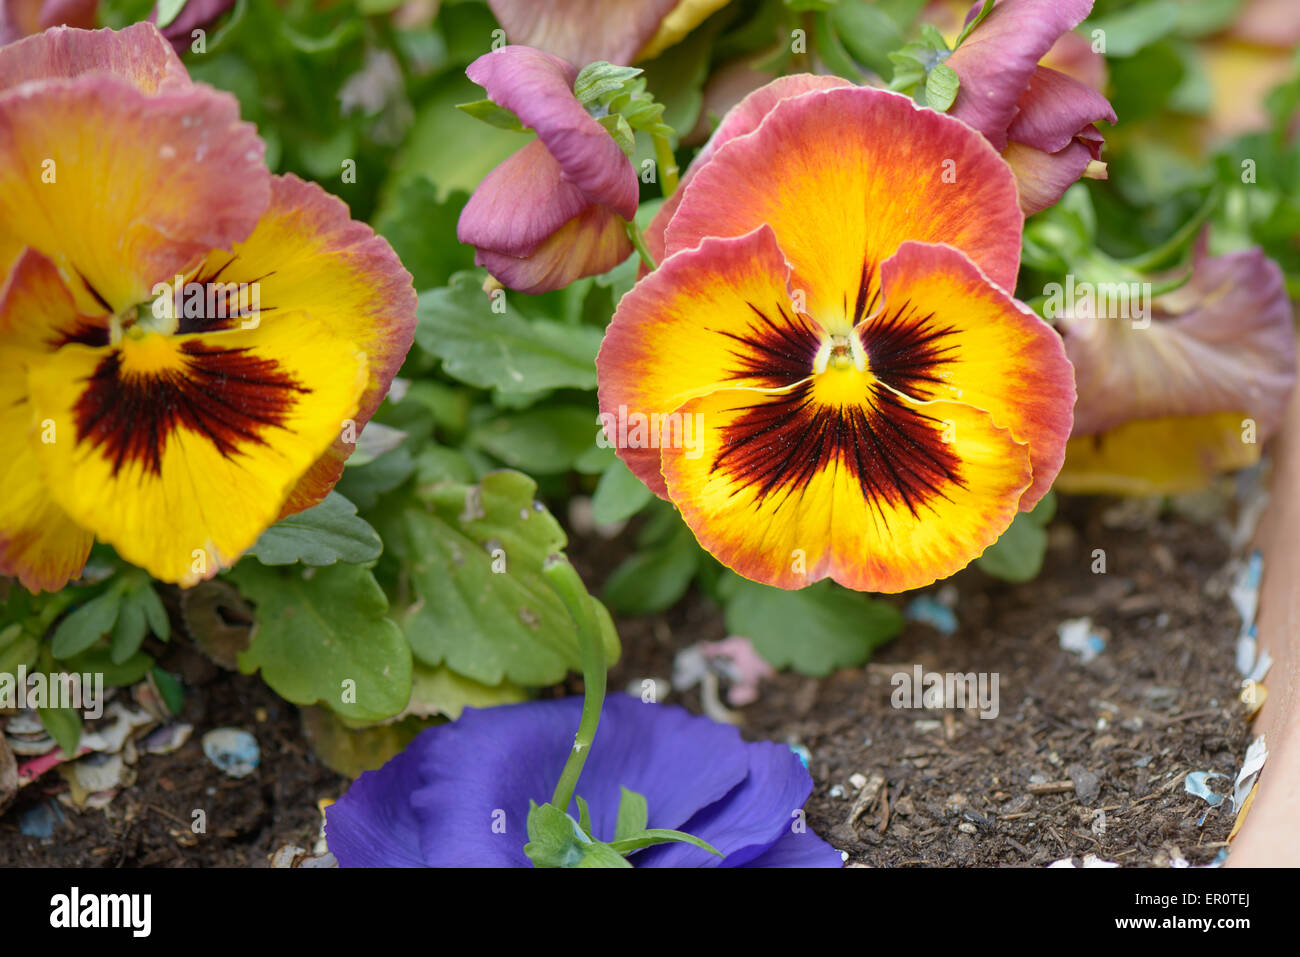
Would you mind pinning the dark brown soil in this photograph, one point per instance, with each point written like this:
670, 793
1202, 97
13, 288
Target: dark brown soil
149, 824
1160, 701
957, 790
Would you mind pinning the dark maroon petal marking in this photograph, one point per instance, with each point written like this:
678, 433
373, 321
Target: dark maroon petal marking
226, 395
87, 332
779, 442
225, 311
904, 351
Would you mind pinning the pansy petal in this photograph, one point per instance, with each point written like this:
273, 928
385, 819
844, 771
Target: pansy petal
503, 757
582, 31
1054, 109
373, 824
842, 189
1163, 456
997, 60
843, 478
690, 328
798, 849
39, 543
685, 16
945, 332
137, 54
1222, 342
749, 820
122, 188
593, 242
538, 88
317, 268
179, 451
1042, 178
520, 204
741, 120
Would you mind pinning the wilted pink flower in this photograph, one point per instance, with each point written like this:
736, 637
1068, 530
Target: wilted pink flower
582, 31
1193, 388
1040, 120
554, 211
21, 18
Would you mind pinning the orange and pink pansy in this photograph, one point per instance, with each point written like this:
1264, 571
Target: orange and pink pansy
830, 327
176, 435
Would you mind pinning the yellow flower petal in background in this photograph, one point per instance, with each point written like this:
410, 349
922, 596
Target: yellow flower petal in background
1193, 388
1157, 456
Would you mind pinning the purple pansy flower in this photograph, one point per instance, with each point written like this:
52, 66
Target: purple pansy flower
458, 796
550, 213
1039, 119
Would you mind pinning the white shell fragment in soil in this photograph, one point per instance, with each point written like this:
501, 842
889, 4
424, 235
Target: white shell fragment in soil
166, 739
235, 752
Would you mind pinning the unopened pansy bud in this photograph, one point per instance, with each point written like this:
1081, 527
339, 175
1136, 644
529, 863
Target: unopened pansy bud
22, 18
554, 211
1040, 119
582, 31
1180, 389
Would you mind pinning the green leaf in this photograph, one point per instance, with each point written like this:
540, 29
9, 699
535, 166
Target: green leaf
557, 840
376, 439
131, 627
325, 534
941, 87
600, 79
584, 814
492, 115
440, 691
619, 494
1127, 31
815, 630
364, 484
975, 21
633, 815
154, 612
419, 224
867, 32
542, 441
510, 351
653, 579
17, 648
484, 608
63, 725
170, 689
87, 624
659, 835
615, 124
116, 674
169, 10
452, 150
1017, 555
322, 635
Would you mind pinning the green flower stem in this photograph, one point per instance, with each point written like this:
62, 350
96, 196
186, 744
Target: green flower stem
638, 242
1175, 243
667, 164
566, 582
